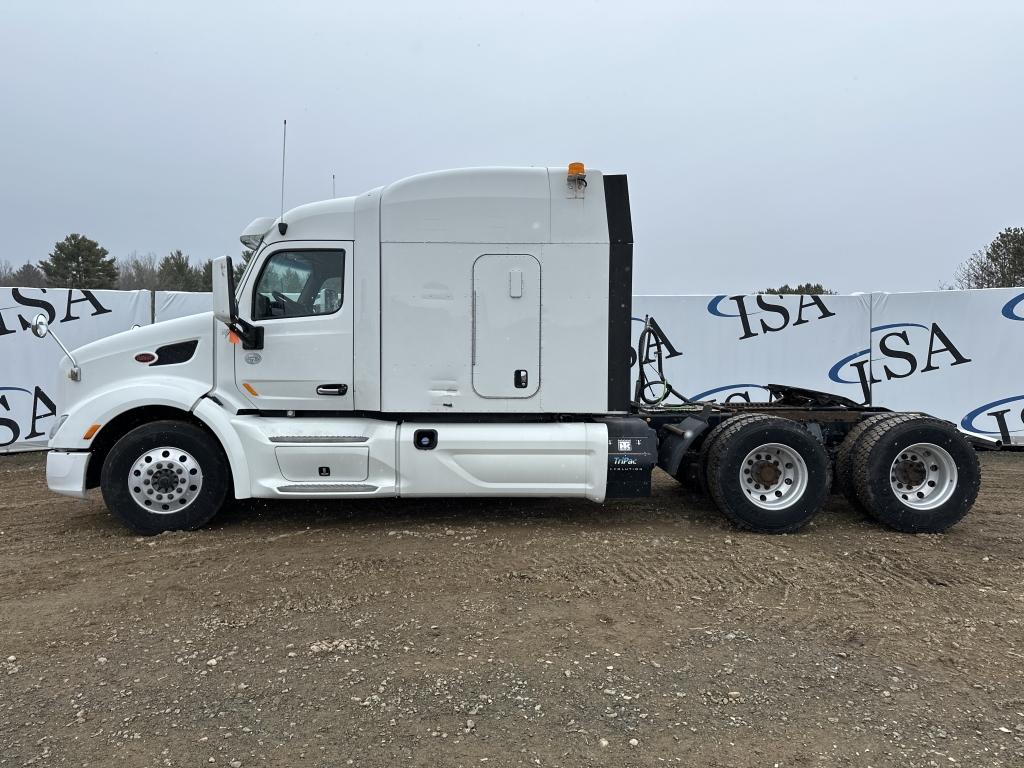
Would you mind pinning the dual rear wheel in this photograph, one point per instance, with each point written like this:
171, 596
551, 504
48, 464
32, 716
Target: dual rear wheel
766, 473
912, 473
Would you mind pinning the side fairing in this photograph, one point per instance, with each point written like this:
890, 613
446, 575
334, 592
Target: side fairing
494, 294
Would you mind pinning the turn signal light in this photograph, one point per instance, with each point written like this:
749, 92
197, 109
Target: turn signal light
92, 430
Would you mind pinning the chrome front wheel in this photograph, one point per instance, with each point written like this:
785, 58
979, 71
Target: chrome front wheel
165, 480
165, 476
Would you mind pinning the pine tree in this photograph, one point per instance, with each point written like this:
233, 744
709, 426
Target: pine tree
28, 276
176, 273
78, 262
206, 279
241, 264
814, 289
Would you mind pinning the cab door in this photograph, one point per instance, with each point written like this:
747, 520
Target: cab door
301, 298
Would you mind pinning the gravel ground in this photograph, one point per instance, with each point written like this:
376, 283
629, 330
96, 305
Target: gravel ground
552, 633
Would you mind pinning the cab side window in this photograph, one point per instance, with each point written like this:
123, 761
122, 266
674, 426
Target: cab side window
299, 284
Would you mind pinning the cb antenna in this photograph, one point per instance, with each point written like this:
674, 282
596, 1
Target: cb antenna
281, 226
334, 191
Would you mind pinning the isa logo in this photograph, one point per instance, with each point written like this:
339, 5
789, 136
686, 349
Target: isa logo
34, 405
901, 350
653, 345
775, 316
1003, 417
1012, 309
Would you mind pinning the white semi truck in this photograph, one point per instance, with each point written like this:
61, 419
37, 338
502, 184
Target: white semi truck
461, 333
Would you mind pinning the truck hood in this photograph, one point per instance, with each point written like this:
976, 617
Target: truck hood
186, 346
147, 338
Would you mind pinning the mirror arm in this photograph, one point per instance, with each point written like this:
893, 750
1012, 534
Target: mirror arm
75, 373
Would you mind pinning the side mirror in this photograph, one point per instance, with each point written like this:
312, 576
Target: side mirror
224, 290
41, 329
40, 326
225, 308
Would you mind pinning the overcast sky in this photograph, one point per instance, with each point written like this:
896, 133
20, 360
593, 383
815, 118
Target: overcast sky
869, 147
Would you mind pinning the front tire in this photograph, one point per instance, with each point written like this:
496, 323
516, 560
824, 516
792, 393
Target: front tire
165, 476
768, 475
916, 475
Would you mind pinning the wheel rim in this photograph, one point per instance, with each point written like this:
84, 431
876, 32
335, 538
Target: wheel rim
774, 476
923, 476
165, 480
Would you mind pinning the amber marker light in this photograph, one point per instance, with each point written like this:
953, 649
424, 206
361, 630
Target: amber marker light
249, 389
92, 430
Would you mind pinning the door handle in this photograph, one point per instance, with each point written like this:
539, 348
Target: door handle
336, 390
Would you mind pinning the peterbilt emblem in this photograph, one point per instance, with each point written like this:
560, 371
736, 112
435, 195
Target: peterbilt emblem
253, 357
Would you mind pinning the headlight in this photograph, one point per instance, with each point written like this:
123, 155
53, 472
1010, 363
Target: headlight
56, 427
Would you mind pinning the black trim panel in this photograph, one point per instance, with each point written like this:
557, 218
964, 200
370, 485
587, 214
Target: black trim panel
172, 354
414, 417
620, 291
616, 203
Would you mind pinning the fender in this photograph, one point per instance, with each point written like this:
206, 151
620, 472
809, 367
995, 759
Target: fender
219, 422
102, 407
183, 394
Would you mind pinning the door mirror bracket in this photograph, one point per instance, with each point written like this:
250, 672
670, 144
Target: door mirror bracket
250, 335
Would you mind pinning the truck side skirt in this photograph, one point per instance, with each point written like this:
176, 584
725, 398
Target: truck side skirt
364, 457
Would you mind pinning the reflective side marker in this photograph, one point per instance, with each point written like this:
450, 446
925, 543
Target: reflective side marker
92, 430
249, 389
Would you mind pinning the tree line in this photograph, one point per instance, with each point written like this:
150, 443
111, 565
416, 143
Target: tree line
1000, 264
80, 262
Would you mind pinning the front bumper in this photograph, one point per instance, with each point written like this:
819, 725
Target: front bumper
65, 472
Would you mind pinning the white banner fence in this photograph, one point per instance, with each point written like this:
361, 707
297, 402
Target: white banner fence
954, 354
28, 366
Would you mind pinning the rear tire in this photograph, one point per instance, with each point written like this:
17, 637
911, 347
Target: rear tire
706, 446
844, 456
768, 475
916, 474
165, 476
